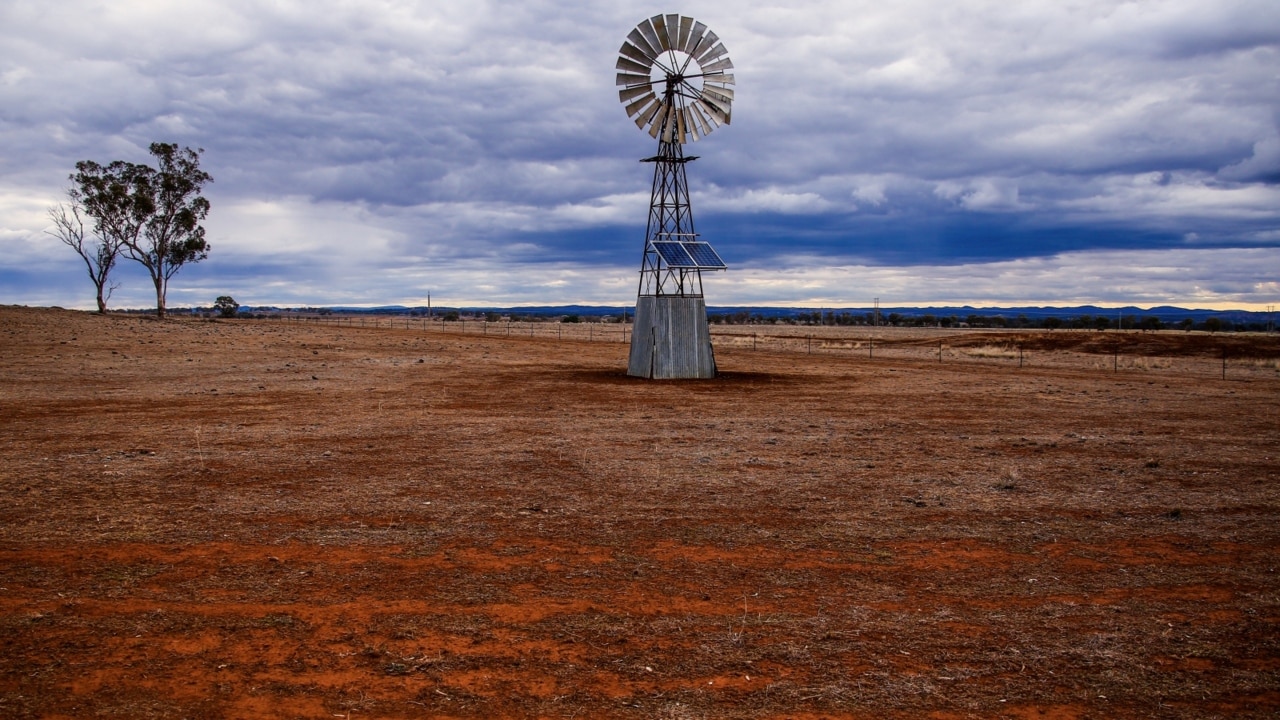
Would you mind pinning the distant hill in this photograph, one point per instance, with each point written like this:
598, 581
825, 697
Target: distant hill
1166, 313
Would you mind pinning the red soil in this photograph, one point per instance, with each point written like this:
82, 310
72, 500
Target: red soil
260, 519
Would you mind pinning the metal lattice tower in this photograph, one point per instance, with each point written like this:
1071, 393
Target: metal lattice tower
670, 219
675, 84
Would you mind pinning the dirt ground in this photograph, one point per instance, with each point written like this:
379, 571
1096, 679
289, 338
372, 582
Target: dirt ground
215, 519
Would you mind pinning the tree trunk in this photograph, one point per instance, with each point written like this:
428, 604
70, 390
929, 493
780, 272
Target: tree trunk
159, 281
102, 303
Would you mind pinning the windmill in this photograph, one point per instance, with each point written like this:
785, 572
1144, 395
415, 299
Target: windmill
674, 76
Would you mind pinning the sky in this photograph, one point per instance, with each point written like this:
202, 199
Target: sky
916, 152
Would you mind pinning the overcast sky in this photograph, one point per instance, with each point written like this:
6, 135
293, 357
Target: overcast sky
919, 152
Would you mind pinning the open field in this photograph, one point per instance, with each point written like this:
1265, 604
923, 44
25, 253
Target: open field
270, 519
1240, 355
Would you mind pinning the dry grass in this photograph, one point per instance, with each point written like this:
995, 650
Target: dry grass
992, 351
270, 520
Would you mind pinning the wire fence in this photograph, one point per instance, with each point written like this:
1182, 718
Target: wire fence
916, 345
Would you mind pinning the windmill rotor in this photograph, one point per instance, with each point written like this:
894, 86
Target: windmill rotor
675, 78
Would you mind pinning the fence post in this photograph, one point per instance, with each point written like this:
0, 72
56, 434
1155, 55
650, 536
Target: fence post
871, 347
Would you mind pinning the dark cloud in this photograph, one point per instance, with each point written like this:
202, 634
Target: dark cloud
370, 150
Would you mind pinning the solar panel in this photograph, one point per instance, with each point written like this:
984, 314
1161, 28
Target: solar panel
674, 254
703, 254
688, 254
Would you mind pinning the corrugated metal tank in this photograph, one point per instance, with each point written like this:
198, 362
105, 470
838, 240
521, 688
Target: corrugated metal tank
670, 339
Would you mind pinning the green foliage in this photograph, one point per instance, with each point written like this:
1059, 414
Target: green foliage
226, 306
451, 316
154, 213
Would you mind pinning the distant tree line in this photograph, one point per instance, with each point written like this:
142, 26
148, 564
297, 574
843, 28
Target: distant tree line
1021, 321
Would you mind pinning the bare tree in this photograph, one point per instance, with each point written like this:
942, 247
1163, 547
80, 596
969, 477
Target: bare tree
98, 250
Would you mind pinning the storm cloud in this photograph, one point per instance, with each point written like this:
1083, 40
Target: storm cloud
918, 152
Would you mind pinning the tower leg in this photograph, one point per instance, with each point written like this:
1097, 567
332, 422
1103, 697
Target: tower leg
671, 339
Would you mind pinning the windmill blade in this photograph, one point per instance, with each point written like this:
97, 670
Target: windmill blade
631, 66
655, 122
635, 38
679, 118
646, 29
629, 80
635, 56
686, 25
705, 114
631, 93
695, 37
708, 41
710, 55
724, 95
719, 78
690, 126
656, 126
660, 27
686, 127
646, 116
718, 116
703, 125
672, 22
717, 66
715, 104
695, 120
639, 105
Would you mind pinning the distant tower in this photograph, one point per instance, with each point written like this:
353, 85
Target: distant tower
675, 82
